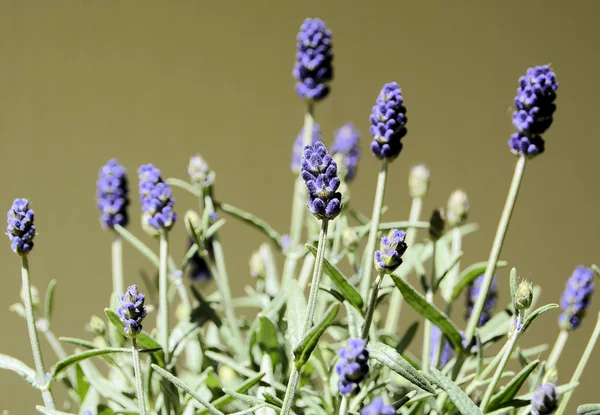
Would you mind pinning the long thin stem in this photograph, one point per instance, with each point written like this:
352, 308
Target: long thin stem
396, 301
308, 319
367, 268
452, 278
117, 265
138, 377
344, 405
371, 307
33, 335
427, 328
496, 248
581, 365
559, 345
163, 280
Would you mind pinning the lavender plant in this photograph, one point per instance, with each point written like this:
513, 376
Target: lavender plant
337, 349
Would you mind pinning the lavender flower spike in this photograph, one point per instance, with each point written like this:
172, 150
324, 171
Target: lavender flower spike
388, 123
346, 150
157, 200
20, 228
298, 147
576, 298
112, 193
378, 407
473, 293
319, 172
353, 366
544, 400
534, 110
313, 69
132, 311
391, 249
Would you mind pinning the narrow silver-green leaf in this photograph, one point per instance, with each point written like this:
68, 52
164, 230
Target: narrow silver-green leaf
429, 311
513, 286
512, 388
46, 411
469, 274
253, 221
63, 364
227, 399
589, 409
295, 311
20, 368
389, 357
267, 338
497, 327
341, 283
104, 387
529, 319
78, 342
49, 301
460, 399
596, 270
252, 400
303, 351
408, 337
137, 244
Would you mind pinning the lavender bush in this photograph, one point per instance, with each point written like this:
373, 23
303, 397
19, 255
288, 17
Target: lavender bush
330, 350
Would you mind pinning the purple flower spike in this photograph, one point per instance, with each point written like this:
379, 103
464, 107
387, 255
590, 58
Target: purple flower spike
447, 350
473, 293
319, 172
20, 228
534, 110
544, 400
112, 193
378, 407
353, 366
391, 249
157, 200
346, 147
132, 311
298, 148
388, 123
576, 298
313, 69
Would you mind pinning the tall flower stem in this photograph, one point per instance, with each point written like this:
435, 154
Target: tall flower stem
367, 268
371, 307
117, 265
496, 248
455, 252
427, 327
396, 301
298, 205
138, 377
33, 335
163, 288
559, 345
308, 319
581, 365
344, 405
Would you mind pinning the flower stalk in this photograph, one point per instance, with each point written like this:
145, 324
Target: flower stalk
138, 377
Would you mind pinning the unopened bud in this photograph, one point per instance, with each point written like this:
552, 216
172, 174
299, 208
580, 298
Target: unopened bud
200, 173
350, 239
524, 295
257, 265
97, 326
458, 208
551, 376
436, 224
193, 222
418, 181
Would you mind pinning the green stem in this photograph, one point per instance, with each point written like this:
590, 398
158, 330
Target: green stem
393, 317
163, 288
428, 327
581, 365
308, 319
496, 248
371, 307
138, 377
452, 278
344, 406
117, 265
510, 347
559, 345
58, 349
33, 335
367, 266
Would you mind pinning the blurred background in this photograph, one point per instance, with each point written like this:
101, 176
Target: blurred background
152, 81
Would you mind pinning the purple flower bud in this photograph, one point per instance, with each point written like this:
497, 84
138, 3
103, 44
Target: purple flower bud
576, 298
391, 249
346, 150
319, 172
298, 148
378, 407
132, 311
544, 400
157, 200
474, 291
447, 349
353, 366
20, 228
534, 110
388, 123
112, 194
313, 69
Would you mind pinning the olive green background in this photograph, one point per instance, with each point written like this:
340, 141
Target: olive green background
151, 81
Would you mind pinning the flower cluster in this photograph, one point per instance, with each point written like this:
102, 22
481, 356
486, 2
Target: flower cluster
132, 311
474, 291
378, 407
534, 110
298, 148
20, 228
576, 297
544, 400
346, 150
388, 123
418, 181
319, 172
353, 366
112, 194
457, 210
200, 174
313, 69
391, 249
157, 200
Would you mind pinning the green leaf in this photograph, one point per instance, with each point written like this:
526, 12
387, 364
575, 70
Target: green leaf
402, 401
204, 311
303, 351
512, 388
46, 411
341, 283
596, 269
105, 410
267, 338
104, 387
253, 221
252, 400
78, 342
227, 399
497, 327
589, 409
389, 357
430, 312
186, 388
63, 364
49, 301
20, 368
461, 400
82, 385
334, 293
469, 274
513, 287
408, 337
295, 311
529, 319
